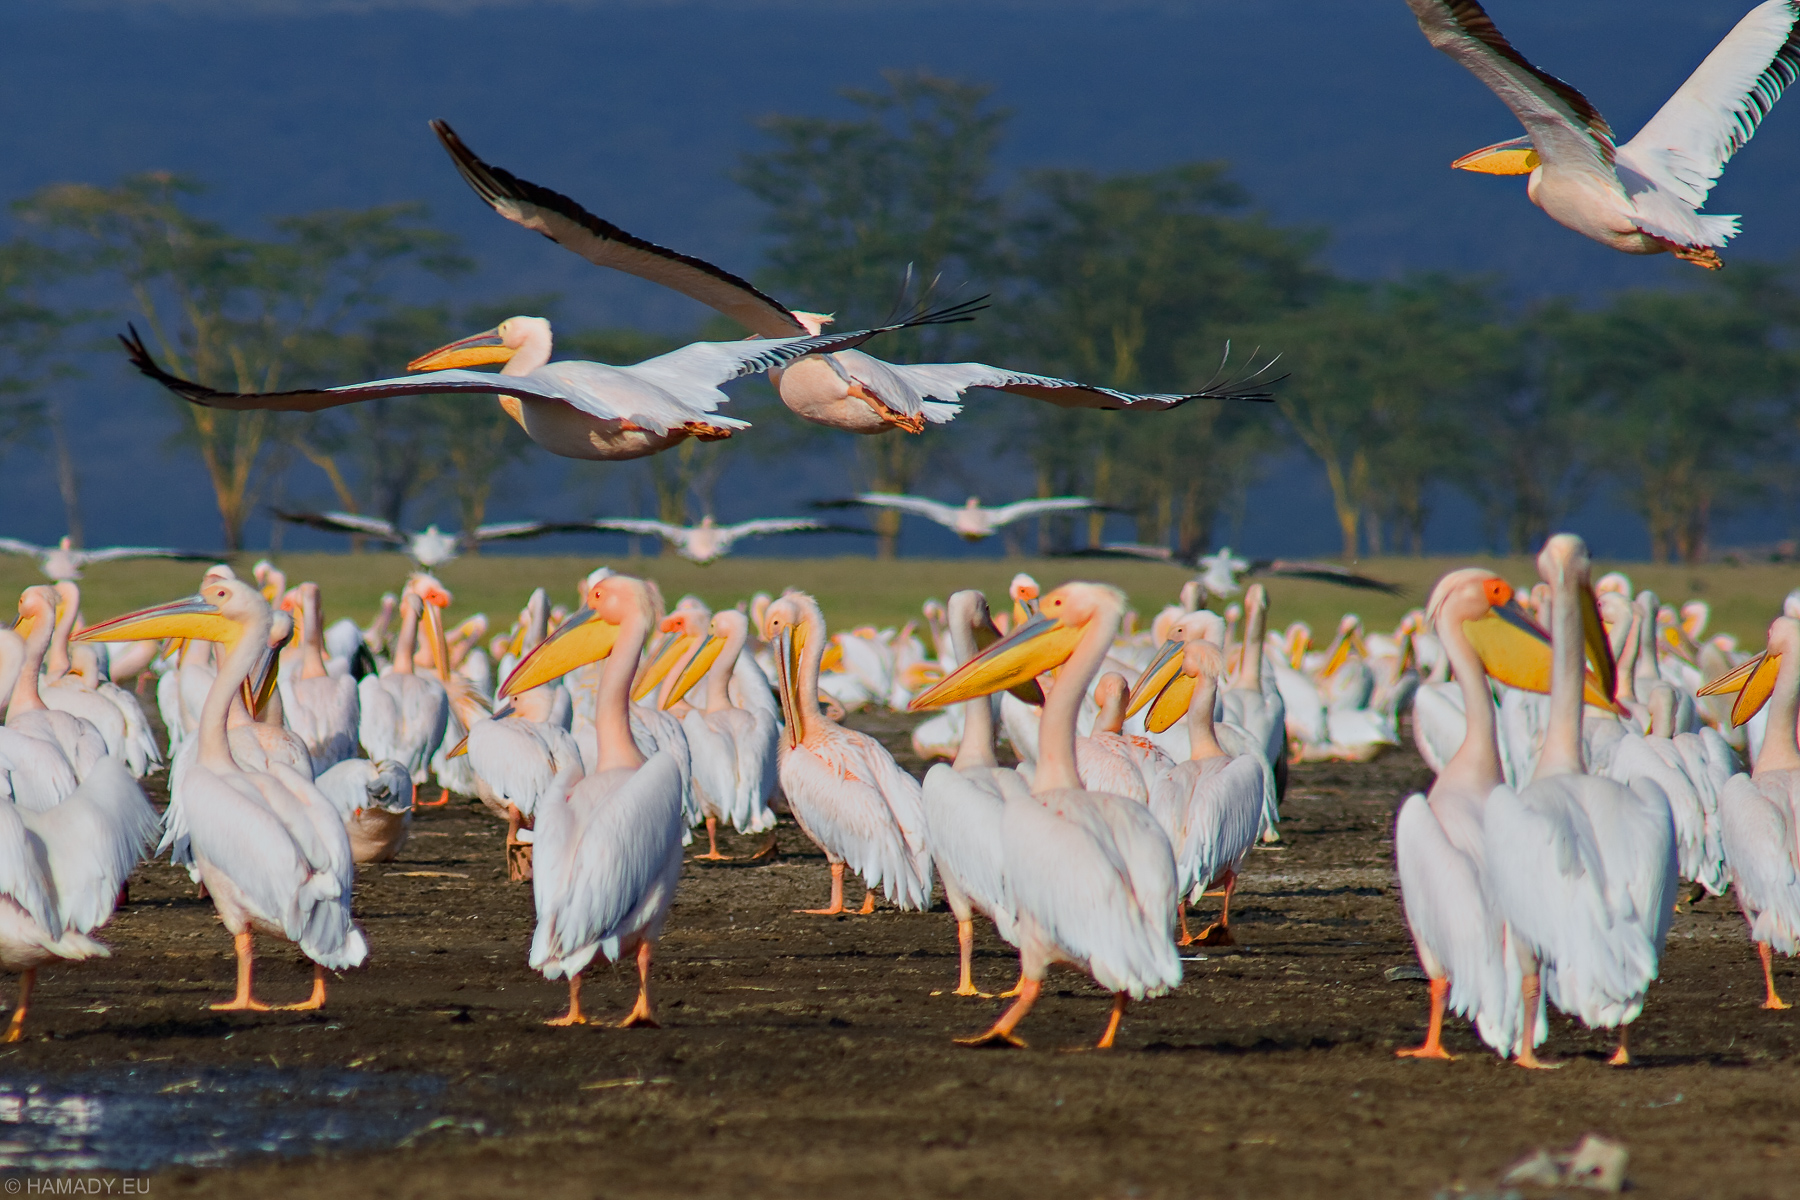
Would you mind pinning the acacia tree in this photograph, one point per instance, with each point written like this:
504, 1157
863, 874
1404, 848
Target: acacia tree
32, 360
854, 205
237, 313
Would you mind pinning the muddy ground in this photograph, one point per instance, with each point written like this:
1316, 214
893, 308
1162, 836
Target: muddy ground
804, 1055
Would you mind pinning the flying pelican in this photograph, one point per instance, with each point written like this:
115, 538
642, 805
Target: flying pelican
404, 713
429, 547
269, 847
323, 708
61, 871
607, 848
571, 408
1759, 813
1221, 570
965, 802
65, 562
847, 792
1211, 805
1438, 845
1584, 868
1092, 875
1642, 197
846, 390
971, 521
708, 541
733, 748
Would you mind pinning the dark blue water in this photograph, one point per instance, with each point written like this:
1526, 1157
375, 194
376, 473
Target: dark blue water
145, 1119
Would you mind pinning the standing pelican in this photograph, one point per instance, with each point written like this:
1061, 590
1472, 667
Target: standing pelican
1759, 813
1584, 868
847, 792
322, 708
1092, 876
404, 713
269, 848
80, 743
607, 849
1642, 197
965, 802
969, 521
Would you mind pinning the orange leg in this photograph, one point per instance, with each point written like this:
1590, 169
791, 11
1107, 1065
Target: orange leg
868, 904
1001, 1033
712, 844
965, 948
316, 1000
15, 1028
1768, 965
1219, 932
1621, 1057
1017, 989
1112, 1023
1186, 939
837, 895
443, 798
642, 1013
1434, 1033
1527, 1057
769, 848
573, 1016
243, 1001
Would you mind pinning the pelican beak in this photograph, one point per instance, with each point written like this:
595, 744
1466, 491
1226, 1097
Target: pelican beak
477, 350
1339, 656
1516, 651
787, 670
1599, 646
986, 634
461, 748
582, 639
667, 655
1515, 157
516, 647
1172, 703
1754, 683
1158, 675
440, 646
262, 682
195, 617
1038, 646
25, 623
833, 658
697, 666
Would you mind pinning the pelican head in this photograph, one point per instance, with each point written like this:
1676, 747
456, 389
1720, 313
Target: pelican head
611, 605
684, 627
720, 631
497, 345
1754, 681
220, 612
1513, 157
1564, 559
1024, 592
1167, 684
1041, 644
788, 625
38, 603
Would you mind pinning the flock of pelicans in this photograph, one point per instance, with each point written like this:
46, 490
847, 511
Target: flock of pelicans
1588, 744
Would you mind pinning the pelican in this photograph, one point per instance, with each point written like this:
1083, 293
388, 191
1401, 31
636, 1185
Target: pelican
970, 521
1642, 197
1759, 813
1439, 849
61, 873
1211, 806
733, 748
1221, 570
571, 408
964, 802
80, 743
1091, 875
1253, 703
374, 801
322, 708
269, 848
429, 547
404, 713
73, 683
1108, 760
847, 390
607, 848
709, 541
65, 563
847, 792
1584, 868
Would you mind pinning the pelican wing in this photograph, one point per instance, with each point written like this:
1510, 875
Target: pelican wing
1710, 117
15, 546
22, 877
504, 530
115, 553
635, 525
606, 245
1019, 511
1758, 833
1565, 128
729, 534
342, 522
919, 506
1323, 573
1121, 550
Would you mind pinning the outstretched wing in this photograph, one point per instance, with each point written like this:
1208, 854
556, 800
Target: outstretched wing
919, 506
606, 245
14, 546
342, 522
1323, 573
773, 525
503, 530
1121, 550
947, 381
633, 525
1565, 128
1019, 511
1711, 116
115, 553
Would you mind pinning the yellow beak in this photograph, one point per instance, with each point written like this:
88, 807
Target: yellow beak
1515, 651
697, 666
986, 634
1157, 676
787, 671
1754, 683
476, 350
1038, 646
195, 617
1515, 157
582, 639
1339, 656
672, 651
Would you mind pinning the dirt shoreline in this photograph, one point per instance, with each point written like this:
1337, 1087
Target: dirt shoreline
802, 1055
